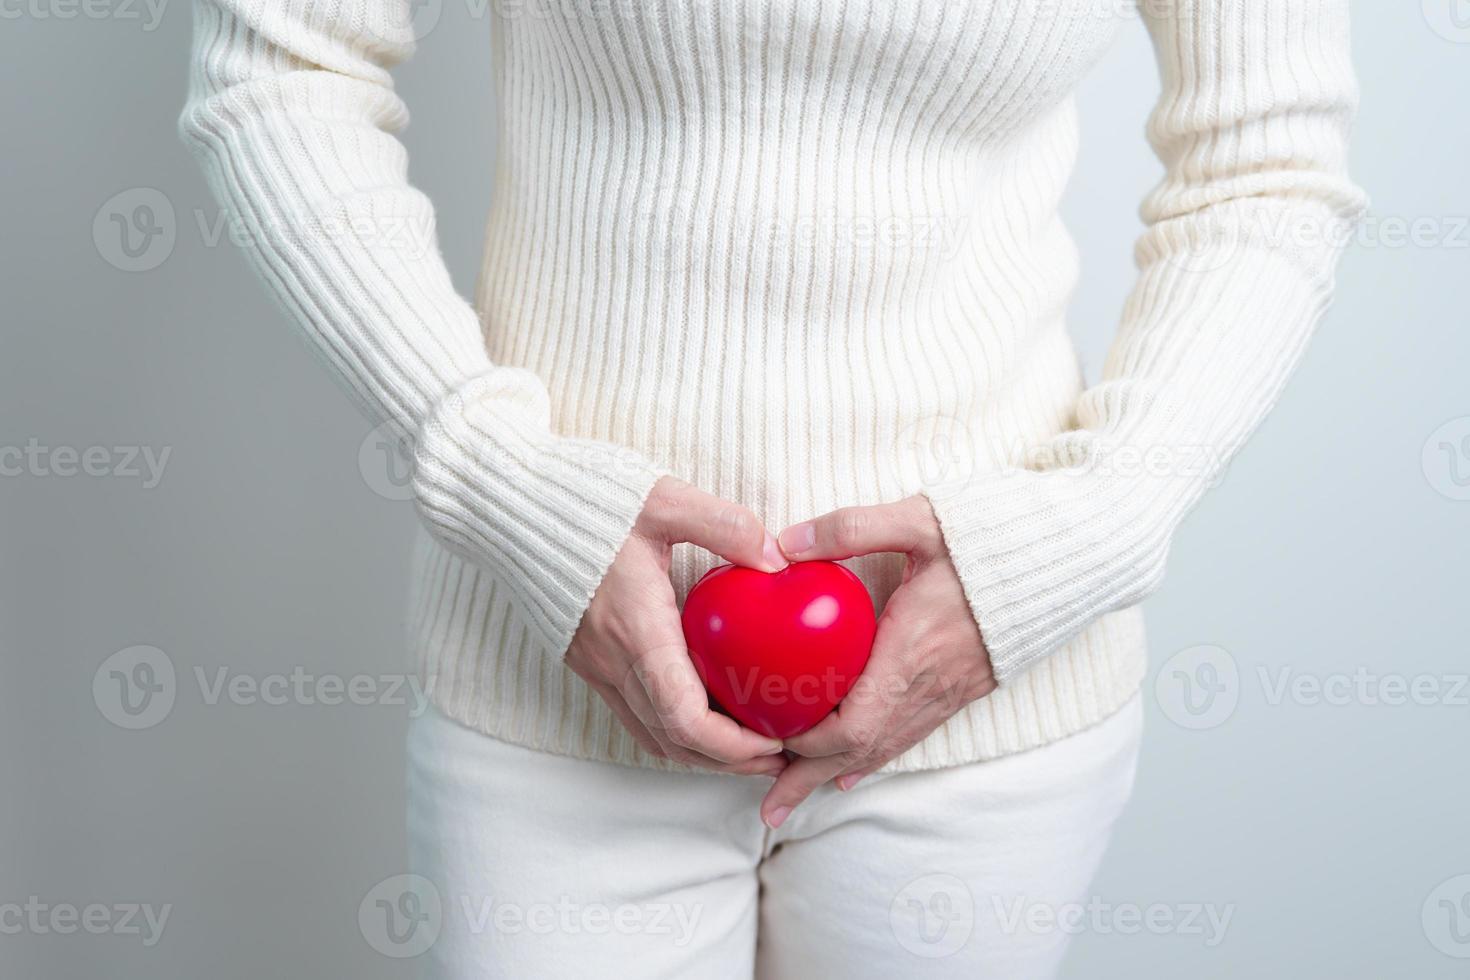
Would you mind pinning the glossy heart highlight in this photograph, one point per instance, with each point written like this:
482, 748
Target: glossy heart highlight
778, 651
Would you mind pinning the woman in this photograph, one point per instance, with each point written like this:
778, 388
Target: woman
747, 264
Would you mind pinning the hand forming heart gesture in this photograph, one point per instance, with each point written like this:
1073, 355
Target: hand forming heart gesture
928, 658
630, 649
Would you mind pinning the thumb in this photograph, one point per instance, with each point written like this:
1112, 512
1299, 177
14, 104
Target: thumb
679, 511
906, 527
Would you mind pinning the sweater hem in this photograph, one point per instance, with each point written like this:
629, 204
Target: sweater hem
495, 679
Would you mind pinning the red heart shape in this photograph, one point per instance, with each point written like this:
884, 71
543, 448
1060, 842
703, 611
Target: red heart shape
779, 650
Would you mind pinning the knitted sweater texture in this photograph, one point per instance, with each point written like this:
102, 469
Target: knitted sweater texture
803, 254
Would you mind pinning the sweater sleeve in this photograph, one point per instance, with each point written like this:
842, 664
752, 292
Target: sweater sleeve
291, 111
1236, 268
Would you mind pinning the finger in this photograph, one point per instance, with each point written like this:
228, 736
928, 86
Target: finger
643, 710
795, 784
836, 736
673, 704
682, 512
929, 717
861, 718
722, 737
685, 719
906, 526
663, 748
771, 766
637, 716
846, 739
629, 720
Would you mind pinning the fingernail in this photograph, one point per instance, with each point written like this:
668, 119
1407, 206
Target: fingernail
778, 816
798, 538
773, 555
846, 783
776, 749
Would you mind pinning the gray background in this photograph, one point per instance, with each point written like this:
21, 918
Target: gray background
1333, 831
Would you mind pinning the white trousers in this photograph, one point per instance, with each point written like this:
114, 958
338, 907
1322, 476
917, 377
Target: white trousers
544, 866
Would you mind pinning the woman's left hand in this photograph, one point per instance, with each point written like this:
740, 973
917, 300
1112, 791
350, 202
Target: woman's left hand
928, 659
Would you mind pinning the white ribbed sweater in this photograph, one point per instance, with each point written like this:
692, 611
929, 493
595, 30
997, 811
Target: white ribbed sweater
802, 253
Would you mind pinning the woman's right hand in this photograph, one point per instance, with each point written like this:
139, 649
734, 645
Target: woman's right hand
630, 644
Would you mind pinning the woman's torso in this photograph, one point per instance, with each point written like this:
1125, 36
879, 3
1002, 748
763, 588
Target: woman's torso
805, 253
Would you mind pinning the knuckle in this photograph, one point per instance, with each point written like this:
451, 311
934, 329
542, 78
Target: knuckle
861, 738
681, 728
734, 525
674, 702
850, 525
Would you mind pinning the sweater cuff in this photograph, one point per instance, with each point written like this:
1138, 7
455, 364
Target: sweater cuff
544, 515
1042, 554
1211, 332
